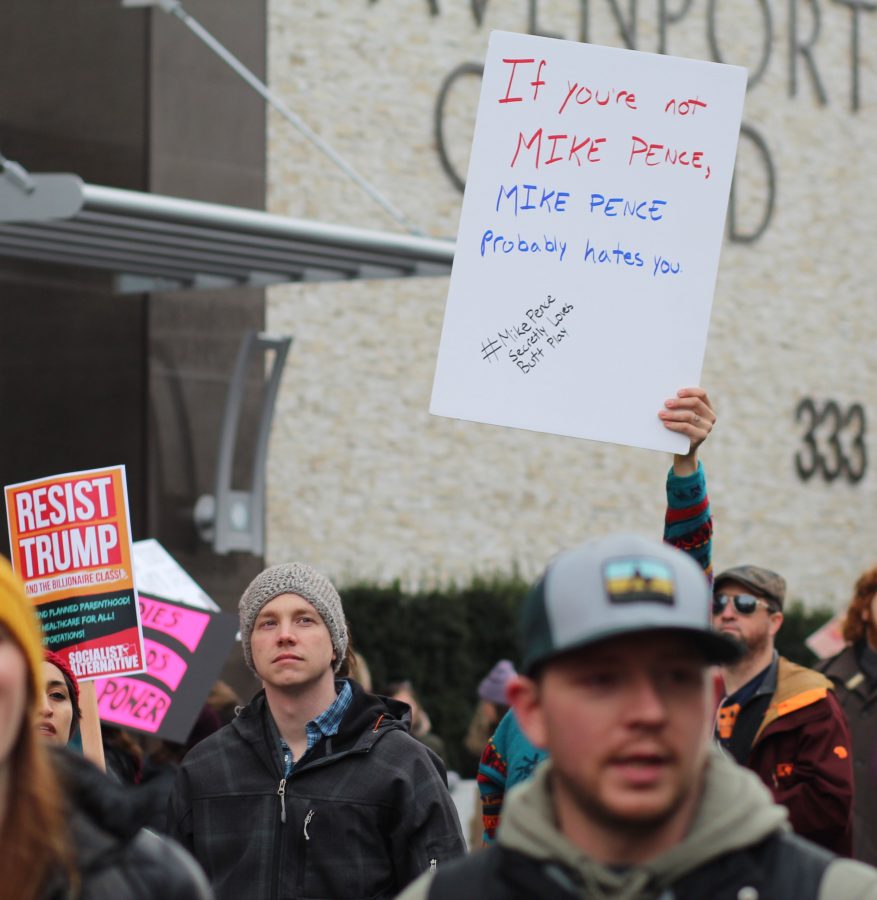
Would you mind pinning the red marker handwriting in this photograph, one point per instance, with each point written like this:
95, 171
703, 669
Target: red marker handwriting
652, 154
590, 147
583, 95
684, 107
535, 84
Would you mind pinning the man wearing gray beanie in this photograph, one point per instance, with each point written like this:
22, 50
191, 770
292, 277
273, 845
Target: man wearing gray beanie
316, 789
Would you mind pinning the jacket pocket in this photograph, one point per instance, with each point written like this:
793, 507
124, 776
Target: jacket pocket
336, 849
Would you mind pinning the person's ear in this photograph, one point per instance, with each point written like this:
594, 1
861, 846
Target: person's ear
776, 621
525, 698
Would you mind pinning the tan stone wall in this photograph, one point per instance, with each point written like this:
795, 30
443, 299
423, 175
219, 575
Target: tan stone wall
366, 484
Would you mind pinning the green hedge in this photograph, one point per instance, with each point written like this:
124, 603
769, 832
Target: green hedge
445, 642
798, 624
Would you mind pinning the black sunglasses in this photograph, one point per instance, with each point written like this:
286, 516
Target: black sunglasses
745, 604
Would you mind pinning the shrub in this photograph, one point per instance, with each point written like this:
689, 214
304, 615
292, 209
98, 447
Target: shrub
443, 641
798, 624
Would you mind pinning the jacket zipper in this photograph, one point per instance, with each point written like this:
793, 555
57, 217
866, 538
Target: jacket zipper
281, 792
302, 851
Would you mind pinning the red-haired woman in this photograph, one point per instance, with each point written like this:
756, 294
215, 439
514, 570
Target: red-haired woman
854, 673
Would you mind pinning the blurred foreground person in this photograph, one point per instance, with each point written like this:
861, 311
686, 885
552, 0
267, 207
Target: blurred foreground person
58, 714
509, 757
854, 674
62, 835
634, 801
316, 789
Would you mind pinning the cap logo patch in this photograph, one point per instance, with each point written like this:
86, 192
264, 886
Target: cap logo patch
638, 580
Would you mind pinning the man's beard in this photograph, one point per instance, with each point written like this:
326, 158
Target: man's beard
755, 644
631, 825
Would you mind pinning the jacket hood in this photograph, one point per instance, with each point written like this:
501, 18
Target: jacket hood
794, 681
374, 714
735, 811
369, 718
797, 687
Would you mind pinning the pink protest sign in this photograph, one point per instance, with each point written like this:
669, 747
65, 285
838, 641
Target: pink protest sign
828, 640
185, 650
185, 624
164, 664
131, 703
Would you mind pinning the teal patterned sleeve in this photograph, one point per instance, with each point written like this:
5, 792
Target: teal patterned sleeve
688, 523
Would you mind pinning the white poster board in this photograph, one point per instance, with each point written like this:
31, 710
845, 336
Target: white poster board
156, 572
589, 239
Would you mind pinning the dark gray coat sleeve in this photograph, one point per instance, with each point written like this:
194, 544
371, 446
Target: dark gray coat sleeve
426, 832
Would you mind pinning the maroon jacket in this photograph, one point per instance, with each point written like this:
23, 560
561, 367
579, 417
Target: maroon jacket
802, 751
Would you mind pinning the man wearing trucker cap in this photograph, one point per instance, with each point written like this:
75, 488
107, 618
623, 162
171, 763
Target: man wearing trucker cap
779, 719
635, 800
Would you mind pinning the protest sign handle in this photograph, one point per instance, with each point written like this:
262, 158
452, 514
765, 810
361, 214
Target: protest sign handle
89, 726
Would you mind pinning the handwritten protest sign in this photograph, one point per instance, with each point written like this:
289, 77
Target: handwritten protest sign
589, 239
70, 538
185, 651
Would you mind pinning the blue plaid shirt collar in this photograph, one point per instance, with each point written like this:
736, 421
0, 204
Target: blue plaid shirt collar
326, 724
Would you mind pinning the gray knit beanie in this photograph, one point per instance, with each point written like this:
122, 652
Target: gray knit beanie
294, 578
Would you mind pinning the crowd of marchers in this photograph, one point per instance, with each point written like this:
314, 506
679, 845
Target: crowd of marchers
650, 743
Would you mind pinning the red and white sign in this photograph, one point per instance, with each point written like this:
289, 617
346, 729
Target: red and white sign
70, 541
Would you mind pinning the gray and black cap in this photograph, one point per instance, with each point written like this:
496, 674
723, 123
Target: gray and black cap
614, 586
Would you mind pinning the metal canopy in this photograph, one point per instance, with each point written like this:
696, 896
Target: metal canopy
153, 242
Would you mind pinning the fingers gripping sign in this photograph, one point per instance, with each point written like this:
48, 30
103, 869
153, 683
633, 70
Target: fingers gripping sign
690, 413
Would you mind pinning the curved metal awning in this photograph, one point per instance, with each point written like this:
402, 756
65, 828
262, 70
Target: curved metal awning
153, 242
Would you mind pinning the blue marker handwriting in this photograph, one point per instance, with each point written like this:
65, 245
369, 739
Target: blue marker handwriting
647, 210
500, 244
618, 256
527, 197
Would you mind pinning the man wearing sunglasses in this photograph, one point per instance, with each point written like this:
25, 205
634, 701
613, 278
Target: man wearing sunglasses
779, 719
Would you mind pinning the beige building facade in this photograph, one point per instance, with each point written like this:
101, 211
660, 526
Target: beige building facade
365, 484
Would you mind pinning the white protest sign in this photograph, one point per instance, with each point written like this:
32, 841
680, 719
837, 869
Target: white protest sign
156, 572
589, 239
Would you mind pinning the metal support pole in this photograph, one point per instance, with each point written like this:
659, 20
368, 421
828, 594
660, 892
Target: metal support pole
175, 8
235, 519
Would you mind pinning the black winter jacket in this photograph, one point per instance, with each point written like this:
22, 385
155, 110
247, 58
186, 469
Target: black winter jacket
114, 857
363, 813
